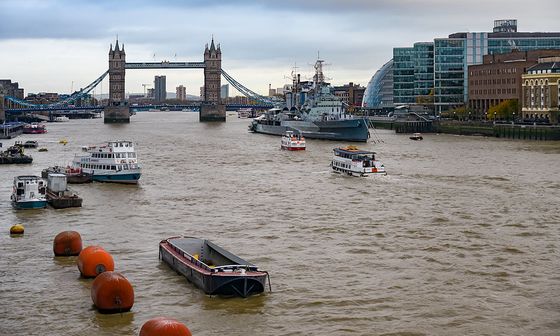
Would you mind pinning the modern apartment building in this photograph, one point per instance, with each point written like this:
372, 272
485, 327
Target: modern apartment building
224, 91
181, 93
160, 93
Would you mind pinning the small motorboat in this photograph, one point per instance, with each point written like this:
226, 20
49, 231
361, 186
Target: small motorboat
30, 144
211, 268
29, 192
43, 149
356, 162
416, 136
63, 141
292, 141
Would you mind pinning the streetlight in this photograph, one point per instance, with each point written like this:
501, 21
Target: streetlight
513, 119
494, 118
469, 116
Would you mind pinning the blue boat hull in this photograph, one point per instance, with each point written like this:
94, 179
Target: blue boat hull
28, 205
117, 178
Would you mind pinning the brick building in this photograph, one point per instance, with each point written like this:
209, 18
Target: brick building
499, 78
541, 91
350, 94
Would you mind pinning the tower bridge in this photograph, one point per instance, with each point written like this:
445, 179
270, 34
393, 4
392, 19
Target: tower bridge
117, 110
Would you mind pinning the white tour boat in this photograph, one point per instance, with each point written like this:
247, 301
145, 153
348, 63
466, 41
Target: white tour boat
355, 162
291, 141
114, 161
29, 192
62, 119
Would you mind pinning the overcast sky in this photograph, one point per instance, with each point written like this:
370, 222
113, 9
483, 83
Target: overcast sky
56, 46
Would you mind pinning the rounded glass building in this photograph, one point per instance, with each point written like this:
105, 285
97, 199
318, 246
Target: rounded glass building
379, 91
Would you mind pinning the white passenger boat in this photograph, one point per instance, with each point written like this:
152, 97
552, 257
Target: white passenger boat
61, 119
29, 192
114, 161
355, 162
291, 141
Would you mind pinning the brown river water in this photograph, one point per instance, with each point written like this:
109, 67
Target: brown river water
462, 236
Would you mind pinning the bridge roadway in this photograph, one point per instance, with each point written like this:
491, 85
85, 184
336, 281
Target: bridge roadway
62, 110
165, 65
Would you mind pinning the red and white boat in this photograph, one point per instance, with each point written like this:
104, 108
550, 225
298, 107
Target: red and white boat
34, 128
291, 141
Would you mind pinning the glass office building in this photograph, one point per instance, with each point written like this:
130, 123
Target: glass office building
423, 68
403, 76
449, 72
379, 91
450, 59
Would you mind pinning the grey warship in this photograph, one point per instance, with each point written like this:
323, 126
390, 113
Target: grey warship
322, 115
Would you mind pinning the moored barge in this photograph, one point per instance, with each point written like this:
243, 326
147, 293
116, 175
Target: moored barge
212, 268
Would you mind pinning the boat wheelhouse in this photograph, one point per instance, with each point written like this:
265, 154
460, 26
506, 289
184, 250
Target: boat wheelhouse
114, 161
74, 175
212, 268
355, 162
29, 192
293, 141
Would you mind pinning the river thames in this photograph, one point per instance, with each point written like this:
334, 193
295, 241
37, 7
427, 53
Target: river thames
461, 237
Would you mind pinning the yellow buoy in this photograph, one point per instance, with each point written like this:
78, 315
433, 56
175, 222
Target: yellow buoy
63, 141
16, 229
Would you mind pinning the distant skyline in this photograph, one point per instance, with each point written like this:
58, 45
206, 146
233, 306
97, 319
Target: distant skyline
56, 46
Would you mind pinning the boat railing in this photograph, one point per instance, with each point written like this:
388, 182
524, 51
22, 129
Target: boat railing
234, 267
190, 257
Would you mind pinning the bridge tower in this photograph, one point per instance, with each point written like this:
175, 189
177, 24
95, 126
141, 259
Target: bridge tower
117, 110
212, 108
2, 112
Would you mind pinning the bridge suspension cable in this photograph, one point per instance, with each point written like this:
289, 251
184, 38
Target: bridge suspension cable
73, 97
248, 92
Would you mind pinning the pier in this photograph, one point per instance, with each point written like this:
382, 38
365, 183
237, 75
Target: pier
498, 130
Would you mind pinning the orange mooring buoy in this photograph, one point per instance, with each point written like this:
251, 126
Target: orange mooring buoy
67, 243
162, 326
112, 293
94, 260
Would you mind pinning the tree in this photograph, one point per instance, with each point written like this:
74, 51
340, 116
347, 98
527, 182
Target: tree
461, 112
503, 110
